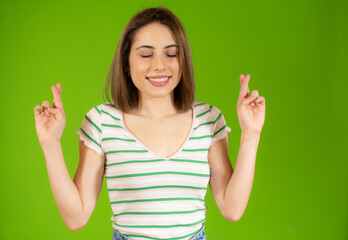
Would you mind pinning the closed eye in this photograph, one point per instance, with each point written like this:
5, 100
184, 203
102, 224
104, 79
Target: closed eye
169, 55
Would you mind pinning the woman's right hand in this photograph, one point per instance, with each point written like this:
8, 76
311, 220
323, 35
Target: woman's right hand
50, 123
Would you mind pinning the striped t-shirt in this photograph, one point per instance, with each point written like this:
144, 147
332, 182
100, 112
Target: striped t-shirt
154, 197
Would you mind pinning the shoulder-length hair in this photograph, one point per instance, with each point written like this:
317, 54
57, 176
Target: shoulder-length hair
123, 92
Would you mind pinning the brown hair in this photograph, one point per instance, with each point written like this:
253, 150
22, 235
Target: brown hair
124, 93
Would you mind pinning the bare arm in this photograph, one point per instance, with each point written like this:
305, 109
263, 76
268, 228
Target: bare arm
231, 188
75, 199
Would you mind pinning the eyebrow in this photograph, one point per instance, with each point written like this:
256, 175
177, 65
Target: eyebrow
148, 46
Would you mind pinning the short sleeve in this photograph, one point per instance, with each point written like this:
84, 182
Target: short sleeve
90, 131
220, 128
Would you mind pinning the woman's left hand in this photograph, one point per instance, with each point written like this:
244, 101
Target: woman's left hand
250, 108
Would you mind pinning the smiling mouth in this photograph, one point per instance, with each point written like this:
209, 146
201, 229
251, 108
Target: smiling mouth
159, 80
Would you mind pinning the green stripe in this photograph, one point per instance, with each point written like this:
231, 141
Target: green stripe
219, 130
89, 137
157, 213
133, 161
109, 104
198, 104
195, 150
111, 125
202, 124
156, 200
153, 187
203, 113
97, 110
110, 115
155, 160
217, 118
176, 238
157, 173
91, 122
200, 137
128, 151
187, 160
116, 138
160, 226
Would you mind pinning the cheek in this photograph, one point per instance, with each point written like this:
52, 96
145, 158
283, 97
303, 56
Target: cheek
175, 67
139, 66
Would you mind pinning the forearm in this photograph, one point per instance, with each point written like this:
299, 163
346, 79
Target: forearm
240, 184
64, 189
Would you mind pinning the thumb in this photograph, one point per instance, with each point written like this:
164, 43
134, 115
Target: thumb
248, 100
56, 112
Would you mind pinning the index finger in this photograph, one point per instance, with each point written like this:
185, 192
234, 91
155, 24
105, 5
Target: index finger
57, 96
59, 86
244, 89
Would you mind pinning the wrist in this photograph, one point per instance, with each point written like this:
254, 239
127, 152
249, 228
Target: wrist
251, 132
250, 138
50, 142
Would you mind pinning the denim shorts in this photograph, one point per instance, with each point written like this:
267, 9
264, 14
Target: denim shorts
198, 236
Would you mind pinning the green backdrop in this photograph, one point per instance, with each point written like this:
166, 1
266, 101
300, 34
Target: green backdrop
296, 54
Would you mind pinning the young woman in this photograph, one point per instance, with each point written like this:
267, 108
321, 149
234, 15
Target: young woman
157, 146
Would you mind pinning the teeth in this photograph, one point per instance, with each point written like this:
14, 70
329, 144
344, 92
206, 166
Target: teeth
158, 79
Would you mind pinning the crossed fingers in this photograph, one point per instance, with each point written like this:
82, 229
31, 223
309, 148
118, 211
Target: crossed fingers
245, 93
57, 102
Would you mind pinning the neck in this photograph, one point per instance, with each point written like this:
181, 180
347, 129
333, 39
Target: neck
156, 107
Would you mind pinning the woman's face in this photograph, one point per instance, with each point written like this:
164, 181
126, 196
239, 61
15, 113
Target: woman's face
153, 61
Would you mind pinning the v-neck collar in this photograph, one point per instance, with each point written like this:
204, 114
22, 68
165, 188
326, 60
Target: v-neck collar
149, 150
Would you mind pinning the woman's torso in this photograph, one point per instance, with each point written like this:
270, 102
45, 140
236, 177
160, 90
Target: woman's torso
155, 196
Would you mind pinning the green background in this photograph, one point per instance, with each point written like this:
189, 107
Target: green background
295, 52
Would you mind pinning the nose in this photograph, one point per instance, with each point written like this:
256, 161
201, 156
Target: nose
159, 64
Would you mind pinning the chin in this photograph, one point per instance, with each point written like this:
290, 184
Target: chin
159, 94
